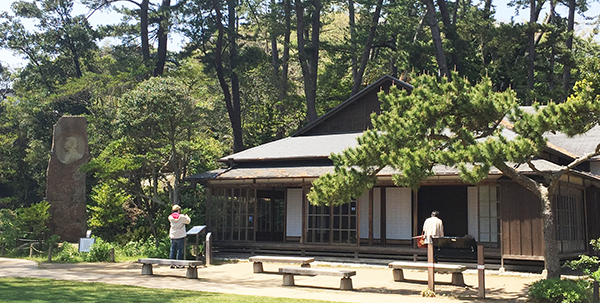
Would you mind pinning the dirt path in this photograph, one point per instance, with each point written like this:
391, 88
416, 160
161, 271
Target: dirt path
371, 284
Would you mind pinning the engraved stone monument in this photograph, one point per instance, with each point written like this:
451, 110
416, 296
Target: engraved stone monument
65, 188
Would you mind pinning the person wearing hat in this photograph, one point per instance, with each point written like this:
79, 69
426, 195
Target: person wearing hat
177, 232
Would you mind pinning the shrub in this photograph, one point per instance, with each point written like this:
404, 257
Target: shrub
67, 253
147, 248
99, 252
9, 233
162, 251
558, 290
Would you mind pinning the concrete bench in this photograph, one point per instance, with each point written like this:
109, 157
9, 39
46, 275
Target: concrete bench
258, 261
290, 272
455, 269
191, 273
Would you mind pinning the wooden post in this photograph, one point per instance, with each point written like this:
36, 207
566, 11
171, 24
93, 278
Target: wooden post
112, 254
481, 271
430, 268
208, 248
50, 253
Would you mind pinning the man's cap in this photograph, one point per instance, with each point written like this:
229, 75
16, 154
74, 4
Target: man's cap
176, 207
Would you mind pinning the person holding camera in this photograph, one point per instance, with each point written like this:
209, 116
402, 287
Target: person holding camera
177, 232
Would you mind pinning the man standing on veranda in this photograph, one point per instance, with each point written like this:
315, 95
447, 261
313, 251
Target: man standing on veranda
177, 232
433, 227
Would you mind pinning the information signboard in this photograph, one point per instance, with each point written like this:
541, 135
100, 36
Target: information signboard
85, 244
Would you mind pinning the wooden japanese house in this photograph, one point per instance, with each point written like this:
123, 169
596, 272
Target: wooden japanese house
258, 203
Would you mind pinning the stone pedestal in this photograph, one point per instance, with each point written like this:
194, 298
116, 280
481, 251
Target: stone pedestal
191, 272
65, 188
147, 269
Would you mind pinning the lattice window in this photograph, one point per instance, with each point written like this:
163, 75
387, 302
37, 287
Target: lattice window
318, 227
232, 212
569, 220
328, 224
489, 219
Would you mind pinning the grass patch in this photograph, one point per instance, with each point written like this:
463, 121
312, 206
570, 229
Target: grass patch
34, 290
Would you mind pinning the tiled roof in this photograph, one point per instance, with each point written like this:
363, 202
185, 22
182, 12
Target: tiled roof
302, 147
578, 145
314, 171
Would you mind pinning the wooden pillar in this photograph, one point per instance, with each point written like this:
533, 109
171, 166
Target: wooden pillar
382, 212
304, 215
481, 271
285, 207
208, 215
371, 217
430, 268
415, 219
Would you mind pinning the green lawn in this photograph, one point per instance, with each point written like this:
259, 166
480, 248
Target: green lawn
34, 290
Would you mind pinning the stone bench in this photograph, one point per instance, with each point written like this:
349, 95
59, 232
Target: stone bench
258, 261
191, 273
290, 272
455, 269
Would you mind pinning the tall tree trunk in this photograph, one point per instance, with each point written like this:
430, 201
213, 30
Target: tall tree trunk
283, 76
393, 42
437, 39
531, 43
353, 44
76, 58
231, 98
552, 260
273, 36
309, 56
487, 9
144, 31
552, 49
450, 31
365, 55
238, 144
569, 43
163, 30
545, 194
176, 167
287, 10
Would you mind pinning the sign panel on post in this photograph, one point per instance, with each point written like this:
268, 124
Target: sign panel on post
195, 230
85, 244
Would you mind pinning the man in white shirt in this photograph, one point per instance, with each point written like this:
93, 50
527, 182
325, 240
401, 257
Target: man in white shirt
433, 227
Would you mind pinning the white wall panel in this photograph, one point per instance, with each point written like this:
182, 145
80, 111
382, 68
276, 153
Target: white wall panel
398, 217
294, 212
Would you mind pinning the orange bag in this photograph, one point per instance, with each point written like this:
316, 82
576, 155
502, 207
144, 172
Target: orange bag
421, 241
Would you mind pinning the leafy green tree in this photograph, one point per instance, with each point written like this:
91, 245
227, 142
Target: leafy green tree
32, 221
160, 136
457, 124
107, 216
60, 48
23, 157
